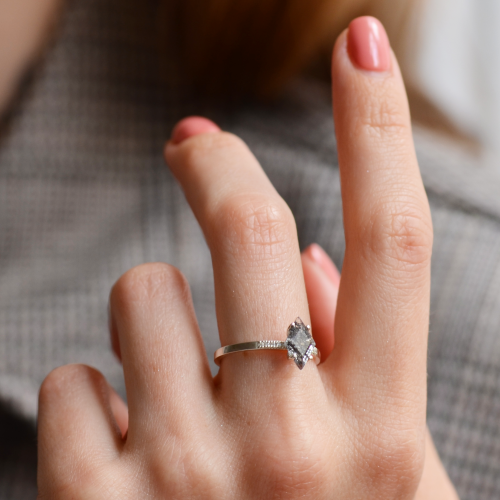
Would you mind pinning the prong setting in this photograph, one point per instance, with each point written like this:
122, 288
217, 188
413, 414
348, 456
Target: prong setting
299, 343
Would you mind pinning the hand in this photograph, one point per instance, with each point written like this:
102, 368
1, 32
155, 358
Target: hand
352, 428
322, 281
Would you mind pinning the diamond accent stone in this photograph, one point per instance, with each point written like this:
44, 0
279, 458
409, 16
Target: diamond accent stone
299, 343
270, 344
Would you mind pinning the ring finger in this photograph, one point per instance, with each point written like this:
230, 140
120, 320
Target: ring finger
259, 284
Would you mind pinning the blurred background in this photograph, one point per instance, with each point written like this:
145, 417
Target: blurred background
89, 91
453, 62
447, 49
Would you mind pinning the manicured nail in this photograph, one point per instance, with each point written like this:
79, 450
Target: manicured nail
368, 45
318, 255
322, 287
191, 126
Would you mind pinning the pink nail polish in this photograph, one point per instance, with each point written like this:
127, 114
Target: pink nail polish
320, 257
368, 45
191, 126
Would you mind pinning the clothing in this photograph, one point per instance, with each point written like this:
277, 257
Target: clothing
85, 195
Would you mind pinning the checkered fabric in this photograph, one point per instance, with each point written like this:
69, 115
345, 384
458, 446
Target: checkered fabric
85, 195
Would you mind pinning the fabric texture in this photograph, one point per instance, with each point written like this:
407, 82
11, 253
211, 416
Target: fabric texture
85, 195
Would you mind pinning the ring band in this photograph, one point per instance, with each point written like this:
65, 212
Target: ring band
299, 344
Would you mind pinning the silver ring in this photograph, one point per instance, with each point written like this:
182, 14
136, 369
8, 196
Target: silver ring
299, 344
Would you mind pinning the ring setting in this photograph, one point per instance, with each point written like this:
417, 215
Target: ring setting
299, 344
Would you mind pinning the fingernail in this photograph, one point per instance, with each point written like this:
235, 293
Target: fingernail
368, 45
320, 257
191, 126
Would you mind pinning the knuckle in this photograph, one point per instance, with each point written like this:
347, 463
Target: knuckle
383, 117
293, 475
145, 282
74, 488
395, 462
399, 233
256, 225
291, 466
189, 472
86, 483
64, 378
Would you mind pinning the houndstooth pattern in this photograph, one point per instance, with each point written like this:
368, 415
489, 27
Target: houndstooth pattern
84, 196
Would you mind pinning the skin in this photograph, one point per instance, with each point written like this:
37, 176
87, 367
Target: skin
352, 428
24, 28
322, 281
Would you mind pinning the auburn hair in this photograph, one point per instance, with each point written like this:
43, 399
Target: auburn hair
253, 47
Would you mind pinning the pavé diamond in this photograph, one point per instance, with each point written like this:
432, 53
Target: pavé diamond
299, 343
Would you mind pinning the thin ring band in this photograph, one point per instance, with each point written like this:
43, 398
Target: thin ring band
275, 345
299, 345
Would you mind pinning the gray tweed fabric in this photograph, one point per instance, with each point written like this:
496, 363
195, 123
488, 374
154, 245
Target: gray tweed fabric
84, 196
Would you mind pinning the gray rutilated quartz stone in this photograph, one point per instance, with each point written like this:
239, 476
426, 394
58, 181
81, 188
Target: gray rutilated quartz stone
298, 342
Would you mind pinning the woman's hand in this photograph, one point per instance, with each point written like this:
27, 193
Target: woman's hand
322, 281
352, 428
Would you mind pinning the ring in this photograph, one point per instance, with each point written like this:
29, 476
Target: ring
299, 344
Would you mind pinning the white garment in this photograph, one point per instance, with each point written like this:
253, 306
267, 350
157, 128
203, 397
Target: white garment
457, 67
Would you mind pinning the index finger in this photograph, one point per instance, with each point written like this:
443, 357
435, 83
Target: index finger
383, 305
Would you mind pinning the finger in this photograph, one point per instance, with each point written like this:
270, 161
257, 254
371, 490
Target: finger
194, 125
322, 285
119, 410
435, 483
166, 370
259, 283
315, 253
77, 434
383, 306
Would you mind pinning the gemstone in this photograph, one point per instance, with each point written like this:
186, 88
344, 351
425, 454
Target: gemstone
299, 343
